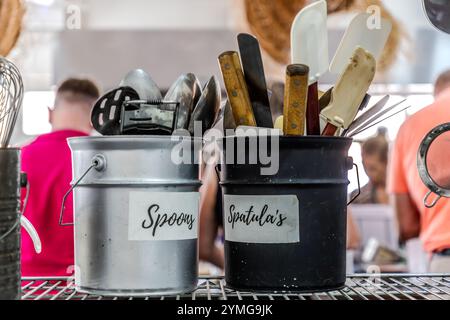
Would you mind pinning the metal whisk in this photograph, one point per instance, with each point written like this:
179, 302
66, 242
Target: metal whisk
11, 96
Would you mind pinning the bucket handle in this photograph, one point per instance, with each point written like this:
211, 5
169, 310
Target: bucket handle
98, 163
354, 165
23, 184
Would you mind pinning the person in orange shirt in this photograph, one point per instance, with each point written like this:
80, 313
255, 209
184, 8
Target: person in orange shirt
408, 190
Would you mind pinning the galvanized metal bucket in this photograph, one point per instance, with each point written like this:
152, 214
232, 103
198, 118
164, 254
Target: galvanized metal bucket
135, 214
9, 224
286, 231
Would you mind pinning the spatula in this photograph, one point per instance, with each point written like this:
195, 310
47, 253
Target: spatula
361, 33
309, 46
236, 88
349, 92
256, 81
295, 99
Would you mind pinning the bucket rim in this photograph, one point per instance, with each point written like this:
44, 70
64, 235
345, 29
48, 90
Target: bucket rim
10, 149
139, 138
299, 138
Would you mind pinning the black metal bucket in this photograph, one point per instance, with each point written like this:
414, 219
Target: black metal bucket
307, 250
9, 224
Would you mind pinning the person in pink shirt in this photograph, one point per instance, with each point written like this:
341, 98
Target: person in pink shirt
47, 162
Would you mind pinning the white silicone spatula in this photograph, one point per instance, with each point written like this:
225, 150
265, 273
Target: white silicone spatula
309, 46
364, 32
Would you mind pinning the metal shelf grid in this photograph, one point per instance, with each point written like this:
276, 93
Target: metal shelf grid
358, 287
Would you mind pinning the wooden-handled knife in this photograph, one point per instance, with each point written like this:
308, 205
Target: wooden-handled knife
236, 87
349, 92
295, 98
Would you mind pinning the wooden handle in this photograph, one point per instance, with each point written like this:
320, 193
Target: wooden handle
329, 130
295, 97
236, 87
312, 111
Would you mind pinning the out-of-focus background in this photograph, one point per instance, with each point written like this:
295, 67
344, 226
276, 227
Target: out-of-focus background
103, 39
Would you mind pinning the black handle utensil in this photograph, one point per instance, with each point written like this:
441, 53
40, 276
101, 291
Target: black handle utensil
106, 113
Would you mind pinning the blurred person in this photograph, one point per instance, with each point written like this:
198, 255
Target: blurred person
47, 162
374, 153
408, 190
353, 236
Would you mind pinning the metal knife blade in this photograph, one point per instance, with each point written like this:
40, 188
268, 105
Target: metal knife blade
371, 120
369, 113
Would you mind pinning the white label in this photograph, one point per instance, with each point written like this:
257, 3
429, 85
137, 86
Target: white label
163, 215
261, 219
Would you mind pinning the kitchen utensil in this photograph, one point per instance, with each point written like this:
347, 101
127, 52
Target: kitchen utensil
207, 107
312, 111
224, 120
11, 96
197, 89
325, 99
143, 84
372, 123
433, 164
279, 123
183, 91
295, 98
360, 33
309, 46
438, 14
141, 117
368, 114
11, 219
228, 117
135, 214
252, 64
365, 102
236, 88
349, 91
106, 113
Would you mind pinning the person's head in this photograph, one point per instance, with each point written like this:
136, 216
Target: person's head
73, 103
442, 83
374, 153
